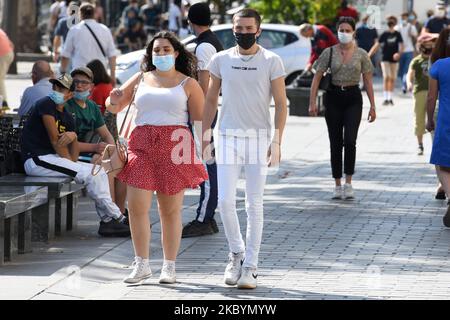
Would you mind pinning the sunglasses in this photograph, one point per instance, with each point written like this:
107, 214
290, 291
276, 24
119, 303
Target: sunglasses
83, 82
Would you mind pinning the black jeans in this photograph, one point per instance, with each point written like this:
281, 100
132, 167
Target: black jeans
343, 115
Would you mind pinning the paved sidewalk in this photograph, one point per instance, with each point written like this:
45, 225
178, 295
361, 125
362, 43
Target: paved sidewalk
387, 244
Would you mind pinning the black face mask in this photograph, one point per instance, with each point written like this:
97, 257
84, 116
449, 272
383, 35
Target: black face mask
245, 40
391, 24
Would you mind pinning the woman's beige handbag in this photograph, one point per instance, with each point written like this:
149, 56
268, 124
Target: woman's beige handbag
115, 156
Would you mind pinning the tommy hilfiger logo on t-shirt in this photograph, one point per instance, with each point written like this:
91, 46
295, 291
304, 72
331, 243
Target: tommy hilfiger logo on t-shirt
244, 68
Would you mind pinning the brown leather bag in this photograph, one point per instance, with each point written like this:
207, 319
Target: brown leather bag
115, 156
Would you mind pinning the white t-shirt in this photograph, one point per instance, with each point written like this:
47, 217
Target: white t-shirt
80, 46
204, 53
405, 32
174, 16
246, 90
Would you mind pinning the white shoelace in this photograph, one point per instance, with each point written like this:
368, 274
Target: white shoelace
168, 269
138, 267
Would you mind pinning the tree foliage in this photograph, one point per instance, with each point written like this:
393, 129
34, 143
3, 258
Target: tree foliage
297, 11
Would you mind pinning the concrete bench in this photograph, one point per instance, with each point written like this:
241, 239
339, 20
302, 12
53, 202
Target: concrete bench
17, 205
60, 213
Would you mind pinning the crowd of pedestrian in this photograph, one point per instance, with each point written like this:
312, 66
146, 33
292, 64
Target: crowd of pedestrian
72, 116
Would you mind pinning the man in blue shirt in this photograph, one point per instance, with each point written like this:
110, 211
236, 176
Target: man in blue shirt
40, 75
366, 36
438, 22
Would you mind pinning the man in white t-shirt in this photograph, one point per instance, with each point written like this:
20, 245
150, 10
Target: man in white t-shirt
409, 34
175, 16
87, 41
207, 45
248, 76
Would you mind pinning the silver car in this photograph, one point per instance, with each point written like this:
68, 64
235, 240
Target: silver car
282, 39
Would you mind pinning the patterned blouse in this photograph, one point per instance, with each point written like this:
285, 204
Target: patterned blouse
348, 74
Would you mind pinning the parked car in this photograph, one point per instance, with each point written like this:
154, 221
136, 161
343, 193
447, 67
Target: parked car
284, 40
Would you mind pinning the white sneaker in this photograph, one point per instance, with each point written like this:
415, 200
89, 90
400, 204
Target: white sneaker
248, 279
168, 274
141, 271
337, 193
233, 269
348, 192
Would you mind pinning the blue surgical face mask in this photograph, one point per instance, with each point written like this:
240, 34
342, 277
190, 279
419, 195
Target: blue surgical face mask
83, 95
57, 97
163, 63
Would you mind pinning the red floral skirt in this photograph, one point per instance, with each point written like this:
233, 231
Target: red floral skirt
162, 159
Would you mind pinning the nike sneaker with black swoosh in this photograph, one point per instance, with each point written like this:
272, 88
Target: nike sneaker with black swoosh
248, 279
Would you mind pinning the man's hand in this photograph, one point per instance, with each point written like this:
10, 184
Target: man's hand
409, 86
55, 56
66, 138
274, 154
207, 148
430, 125
372, 115
100, 147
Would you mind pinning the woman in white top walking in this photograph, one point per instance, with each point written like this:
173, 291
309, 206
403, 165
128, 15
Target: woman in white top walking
161, 149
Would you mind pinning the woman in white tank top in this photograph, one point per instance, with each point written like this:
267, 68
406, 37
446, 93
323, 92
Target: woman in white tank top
161, 149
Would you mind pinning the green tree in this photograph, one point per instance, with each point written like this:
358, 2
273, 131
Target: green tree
297, 11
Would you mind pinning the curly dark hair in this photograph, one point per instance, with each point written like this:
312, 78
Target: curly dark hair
442, 48
186, 62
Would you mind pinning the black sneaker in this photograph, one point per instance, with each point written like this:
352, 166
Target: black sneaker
214, 226
446, 218
391, 102
196, 228
114, 228
385, 103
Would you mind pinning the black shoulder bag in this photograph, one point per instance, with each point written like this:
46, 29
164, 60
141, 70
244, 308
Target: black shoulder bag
96, 39
325, 82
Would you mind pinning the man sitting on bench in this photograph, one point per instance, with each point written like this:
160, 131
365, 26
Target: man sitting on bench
89, 124
50, 148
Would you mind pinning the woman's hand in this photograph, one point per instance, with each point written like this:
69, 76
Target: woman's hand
396, 56
115, 96
313, 111
372, 114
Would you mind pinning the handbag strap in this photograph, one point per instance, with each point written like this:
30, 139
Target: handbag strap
101, 159
329, 64
129, 106
96, 40
329, 60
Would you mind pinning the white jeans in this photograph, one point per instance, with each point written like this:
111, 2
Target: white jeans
233, 154
97, 187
